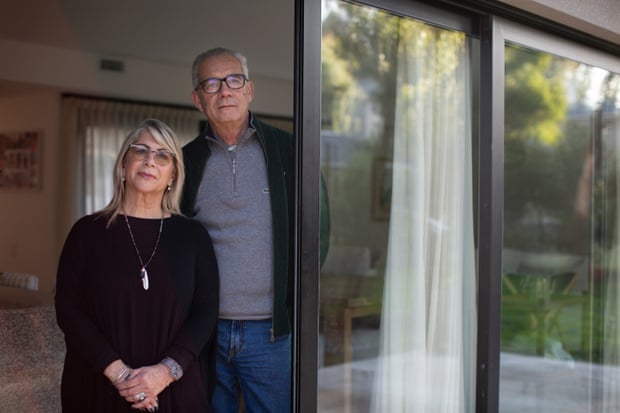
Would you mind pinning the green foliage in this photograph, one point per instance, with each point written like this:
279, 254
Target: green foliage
534, 95
544, 151
359, 46
554, 160
339, 92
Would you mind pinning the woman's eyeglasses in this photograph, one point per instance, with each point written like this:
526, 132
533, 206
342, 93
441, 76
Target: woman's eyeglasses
141, 152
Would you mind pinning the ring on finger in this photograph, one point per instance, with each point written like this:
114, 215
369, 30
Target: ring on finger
140, 396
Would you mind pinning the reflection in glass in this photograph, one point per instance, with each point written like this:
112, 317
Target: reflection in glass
560, 341
397, 303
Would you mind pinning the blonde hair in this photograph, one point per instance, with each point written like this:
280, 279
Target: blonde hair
164, 136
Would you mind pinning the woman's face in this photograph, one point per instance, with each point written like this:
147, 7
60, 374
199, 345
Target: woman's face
148, 167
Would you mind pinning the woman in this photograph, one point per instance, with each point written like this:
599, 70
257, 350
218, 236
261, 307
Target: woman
137, 291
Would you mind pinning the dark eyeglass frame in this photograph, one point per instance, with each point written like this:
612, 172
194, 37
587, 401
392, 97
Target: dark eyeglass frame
142, 152
219, 80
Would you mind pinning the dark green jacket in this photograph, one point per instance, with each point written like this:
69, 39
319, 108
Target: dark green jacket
278, 147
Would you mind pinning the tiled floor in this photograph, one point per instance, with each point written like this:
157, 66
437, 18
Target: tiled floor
538, 384
528, 384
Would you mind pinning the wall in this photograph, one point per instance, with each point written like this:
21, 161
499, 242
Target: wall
79, 72
27, 217
596, 17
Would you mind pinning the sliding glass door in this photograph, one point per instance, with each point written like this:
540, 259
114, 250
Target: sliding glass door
560, 338
397, 301
471, 267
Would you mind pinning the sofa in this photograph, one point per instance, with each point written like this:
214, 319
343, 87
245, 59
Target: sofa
32, 352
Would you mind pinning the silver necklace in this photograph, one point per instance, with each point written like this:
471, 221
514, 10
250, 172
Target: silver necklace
144, 275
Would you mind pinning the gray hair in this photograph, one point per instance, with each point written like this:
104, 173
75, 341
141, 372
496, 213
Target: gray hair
217, 51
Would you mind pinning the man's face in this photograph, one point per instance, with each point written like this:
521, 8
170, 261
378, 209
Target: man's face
226, 106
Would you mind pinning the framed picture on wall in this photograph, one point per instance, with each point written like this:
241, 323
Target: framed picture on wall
381, 189
20, 159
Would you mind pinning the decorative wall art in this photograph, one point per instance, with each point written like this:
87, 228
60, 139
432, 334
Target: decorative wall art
20, 160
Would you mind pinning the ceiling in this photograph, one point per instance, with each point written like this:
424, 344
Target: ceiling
162, 31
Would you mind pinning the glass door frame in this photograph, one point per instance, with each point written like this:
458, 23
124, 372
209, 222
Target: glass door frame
308, 130
493, 31
307, 113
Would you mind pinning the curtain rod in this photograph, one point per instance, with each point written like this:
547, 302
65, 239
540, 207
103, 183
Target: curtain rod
126, 100
161, 104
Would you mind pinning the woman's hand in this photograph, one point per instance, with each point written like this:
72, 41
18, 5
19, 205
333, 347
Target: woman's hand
117, 371
143, 386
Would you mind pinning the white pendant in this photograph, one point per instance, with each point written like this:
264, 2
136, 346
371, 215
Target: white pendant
145, 278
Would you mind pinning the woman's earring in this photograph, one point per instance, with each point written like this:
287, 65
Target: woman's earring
169, 188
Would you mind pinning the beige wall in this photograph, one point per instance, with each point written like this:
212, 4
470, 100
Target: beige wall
27, 217
78, 72
596, 17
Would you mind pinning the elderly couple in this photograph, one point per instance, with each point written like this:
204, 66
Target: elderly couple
176, 296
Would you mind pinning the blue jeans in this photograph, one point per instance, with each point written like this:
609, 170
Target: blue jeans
247, 358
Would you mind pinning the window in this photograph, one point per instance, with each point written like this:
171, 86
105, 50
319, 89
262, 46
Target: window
398, 286
559, 335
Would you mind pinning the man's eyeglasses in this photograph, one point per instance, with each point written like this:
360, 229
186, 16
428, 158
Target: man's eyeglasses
214, 84
141, 152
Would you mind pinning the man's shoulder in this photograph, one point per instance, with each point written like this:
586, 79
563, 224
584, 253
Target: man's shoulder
194, 143
195, 149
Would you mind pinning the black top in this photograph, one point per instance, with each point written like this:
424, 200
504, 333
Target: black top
106, 314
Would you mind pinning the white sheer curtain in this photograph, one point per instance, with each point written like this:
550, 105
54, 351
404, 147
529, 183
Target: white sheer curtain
428, 322
92, 131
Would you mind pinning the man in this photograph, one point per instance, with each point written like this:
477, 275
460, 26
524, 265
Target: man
239, 184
